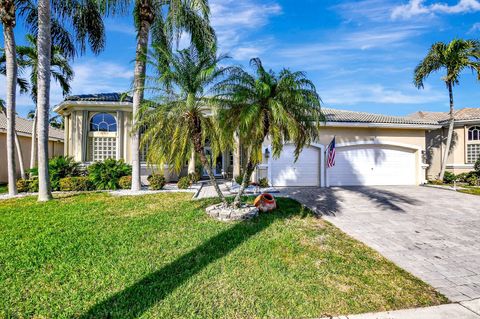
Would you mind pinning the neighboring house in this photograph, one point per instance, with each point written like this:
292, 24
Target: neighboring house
371, 149
465, 149
24, 131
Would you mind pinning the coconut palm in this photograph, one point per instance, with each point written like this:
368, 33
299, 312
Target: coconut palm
283, 107
61, 72
86, 23
179, 120
166, 20
454, 57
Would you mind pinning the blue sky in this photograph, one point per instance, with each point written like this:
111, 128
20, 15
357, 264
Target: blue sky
360, 54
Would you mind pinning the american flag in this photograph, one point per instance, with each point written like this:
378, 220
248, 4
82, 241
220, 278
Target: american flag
331, 154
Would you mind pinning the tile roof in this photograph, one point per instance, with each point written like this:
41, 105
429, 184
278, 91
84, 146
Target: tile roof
334, 115
101, 97
25, 126
472, 113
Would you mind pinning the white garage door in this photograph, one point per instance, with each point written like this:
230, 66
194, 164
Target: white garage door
304, 172
370, 165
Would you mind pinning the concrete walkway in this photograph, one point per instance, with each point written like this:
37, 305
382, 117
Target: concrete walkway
464, 310
432, 233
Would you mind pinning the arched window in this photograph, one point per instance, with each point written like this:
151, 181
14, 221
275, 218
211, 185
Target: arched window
102, 137
103, 122
474, 133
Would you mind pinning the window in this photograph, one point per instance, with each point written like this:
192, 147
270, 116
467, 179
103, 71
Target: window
474, 133
473, 153
102, 142
103, 122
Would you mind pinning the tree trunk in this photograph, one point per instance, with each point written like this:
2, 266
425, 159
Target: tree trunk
20, 156
43, 97
247, 175
11, 65
200, 150
450, 133
138, 90
33, 147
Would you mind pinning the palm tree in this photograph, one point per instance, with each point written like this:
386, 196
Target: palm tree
283, 107
61, 71
179, 121
166, 20
455, 57
87, 23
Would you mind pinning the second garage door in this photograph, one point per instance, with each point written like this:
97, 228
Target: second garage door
304, 172
373, 165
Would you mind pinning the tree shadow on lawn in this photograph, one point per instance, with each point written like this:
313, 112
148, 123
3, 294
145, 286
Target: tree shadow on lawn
136, 299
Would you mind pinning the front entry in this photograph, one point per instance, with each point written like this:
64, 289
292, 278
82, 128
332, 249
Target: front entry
217, 167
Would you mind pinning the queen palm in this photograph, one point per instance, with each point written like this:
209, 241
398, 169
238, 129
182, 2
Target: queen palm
61, 71
84, 18
84, 23
166, 20
454, 57
282, 107
179, 121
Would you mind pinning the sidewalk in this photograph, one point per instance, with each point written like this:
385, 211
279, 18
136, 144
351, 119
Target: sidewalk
463, 310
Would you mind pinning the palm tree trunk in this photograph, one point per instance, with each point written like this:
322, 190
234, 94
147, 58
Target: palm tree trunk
20, 156
245, 181
33, 147
11, 65
450, 133
43, 98
138, 89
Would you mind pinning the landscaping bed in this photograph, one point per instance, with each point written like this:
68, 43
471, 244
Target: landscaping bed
161, 256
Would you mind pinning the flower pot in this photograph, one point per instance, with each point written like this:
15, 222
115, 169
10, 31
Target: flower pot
265, 203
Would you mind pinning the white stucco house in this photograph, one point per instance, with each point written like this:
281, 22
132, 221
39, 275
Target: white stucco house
372, 149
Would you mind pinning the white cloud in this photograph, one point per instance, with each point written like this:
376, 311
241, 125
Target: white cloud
417, 7
475, 28
234, 22
376, 93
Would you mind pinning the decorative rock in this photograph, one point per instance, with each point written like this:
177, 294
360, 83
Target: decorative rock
226, 214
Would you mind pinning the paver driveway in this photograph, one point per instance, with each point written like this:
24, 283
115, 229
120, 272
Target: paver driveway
432, 233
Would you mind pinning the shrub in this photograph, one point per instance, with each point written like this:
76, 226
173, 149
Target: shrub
106, 174
448, 178
75, 184
472, 180
27, 185
59, 167
184, 183
125, 182
194, 177
435, 182
476, 167
239, 179
263, 182
156, 181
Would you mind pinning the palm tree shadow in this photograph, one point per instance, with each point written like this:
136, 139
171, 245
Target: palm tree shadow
136, 299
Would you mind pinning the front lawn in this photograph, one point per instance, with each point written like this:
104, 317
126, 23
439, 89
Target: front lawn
470, 190
160, 256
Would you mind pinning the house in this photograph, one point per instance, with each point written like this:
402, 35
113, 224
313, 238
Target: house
371, 149
465, 148
24, 131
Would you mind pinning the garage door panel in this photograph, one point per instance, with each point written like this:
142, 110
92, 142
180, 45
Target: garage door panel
305, 172
373, 166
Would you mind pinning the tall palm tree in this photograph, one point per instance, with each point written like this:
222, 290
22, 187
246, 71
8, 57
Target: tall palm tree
283, 107
454, 57
166, 20
61, 72
8, 18
180, 121
24, 87
86, 23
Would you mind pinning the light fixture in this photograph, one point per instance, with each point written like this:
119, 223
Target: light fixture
267, 153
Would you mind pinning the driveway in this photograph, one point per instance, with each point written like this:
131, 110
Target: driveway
432, 233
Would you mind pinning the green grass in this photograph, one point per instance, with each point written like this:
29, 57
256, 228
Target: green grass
161, 256
470, 190
3, 188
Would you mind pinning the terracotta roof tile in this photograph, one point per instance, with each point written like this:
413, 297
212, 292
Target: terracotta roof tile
334, 115
25, 126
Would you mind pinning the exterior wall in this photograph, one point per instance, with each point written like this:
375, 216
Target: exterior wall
456, 162
54, 148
